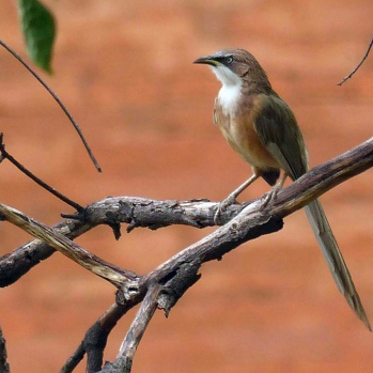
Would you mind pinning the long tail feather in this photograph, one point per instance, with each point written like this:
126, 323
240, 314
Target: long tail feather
333, 256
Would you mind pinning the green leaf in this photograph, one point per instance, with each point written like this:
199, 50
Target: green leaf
39, 30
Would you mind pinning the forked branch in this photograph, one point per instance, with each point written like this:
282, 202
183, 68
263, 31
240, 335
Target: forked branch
180, 272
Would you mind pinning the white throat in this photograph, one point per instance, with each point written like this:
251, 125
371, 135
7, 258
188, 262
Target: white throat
230, 91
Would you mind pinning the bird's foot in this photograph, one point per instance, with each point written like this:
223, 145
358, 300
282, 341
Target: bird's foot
270, 196
230, 200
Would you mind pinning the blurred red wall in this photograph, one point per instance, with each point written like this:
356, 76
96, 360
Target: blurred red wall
125, 71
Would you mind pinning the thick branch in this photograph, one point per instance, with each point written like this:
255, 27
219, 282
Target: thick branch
83, 257
252, 221
323, 178
124, 360
140, 212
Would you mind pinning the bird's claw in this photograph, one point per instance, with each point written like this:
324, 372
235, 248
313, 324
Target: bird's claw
270, 196
230, 200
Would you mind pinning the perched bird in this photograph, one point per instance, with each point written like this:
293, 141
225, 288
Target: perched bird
262, 129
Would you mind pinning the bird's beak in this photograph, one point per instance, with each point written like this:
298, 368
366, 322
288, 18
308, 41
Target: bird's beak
208, 60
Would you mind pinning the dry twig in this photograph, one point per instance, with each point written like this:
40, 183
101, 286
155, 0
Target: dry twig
28, 173
166, 284
358, 65
124, 359
56, 98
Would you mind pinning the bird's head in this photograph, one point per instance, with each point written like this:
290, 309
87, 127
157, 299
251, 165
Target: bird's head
235, 66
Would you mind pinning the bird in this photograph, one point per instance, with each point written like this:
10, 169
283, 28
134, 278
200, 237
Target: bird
262, 129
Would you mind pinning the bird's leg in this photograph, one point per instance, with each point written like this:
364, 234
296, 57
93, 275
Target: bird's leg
271, 195
231, 199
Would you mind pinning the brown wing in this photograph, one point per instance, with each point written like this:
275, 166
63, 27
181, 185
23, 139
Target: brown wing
278, 131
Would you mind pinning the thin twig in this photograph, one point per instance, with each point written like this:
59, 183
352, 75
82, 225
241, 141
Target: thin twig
6, 155
74, 360
358, 66
62, 106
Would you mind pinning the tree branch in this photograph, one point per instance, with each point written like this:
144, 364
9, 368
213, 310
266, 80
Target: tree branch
56, 98
95, 340
117, 276
4, 366
358, 65
178, 273
124, 359
56, 193
141, 212
137, 212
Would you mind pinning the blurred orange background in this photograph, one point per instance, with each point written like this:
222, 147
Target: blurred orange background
124, 69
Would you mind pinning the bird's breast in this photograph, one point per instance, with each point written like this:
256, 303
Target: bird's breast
237, 126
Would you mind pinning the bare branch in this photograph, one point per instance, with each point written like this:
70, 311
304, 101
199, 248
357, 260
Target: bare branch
323, 178
17, 263
254, 221
358, 65
123, 361
56, 193
75, 359
56, 98
141, 212
95, 340
180, 272
83, 257
4, 366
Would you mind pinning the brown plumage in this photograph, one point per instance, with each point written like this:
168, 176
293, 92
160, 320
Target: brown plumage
262, 129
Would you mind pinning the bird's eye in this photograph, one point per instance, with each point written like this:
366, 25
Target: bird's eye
229, 60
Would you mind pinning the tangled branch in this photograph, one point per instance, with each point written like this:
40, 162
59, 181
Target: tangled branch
162, 287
